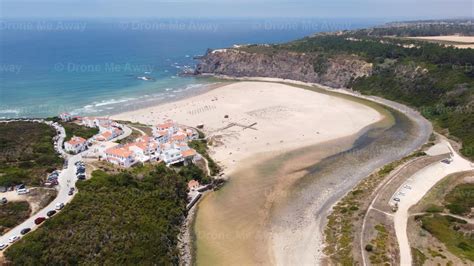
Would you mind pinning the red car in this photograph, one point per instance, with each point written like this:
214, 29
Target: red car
39, 220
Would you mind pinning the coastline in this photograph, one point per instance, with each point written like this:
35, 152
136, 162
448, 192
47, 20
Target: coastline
231, 168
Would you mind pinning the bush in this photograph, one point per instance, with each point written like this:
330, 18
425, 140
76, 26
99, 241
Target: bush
369, 248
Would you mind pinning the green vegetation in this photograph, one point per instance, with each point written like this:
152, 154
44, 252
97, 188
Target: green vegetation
73, 129
446, 230
26, 153
131, 138
347, 213
12, 214
460, 200
133, 217
434, 208
201, 147
379, 253
419, 258
424, 28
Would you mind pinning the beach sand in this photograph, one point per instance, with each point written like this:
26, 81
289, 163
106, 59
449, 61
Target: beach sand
287, 118
231, 225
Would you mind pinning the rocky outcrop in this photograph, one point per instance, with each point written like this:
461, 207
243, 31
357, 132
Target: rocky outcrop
335, 71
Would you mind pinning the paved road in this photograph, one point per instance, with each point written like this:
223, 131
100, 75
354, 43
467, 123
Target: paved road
67, 179
126, 132
421, 182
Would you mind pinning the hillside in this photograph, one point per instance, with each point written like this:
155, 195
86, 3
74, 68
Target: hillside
133, 217
436, 80
26, 153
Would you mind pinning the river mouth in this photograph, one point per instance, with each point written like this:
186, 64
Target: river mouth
255, 218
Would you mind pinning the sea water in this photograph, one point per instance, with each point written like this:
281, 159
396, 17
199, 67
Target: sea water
101, 67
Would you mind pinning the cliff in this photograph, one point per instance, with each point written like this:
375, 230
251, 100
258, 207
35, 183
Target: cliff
334, 71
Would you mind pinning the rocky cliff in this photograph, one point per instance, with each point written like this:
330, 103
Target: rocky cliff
334, 71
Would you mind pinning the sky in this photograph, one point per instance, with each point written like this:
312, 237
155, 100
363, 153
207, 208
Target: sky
386, 9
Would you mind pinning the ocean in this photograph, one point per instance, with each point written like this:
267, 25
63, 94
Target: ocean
102, 67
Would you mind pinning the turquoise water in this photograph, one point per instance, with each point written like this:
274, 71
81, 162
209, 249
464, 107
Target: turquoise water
93, 67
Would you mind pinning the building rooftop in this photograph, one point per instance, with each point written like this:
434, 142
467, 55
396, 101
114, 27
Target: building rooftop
76, 141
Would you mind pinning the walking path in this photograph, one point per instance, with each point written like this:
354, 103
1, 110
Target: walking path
420, 183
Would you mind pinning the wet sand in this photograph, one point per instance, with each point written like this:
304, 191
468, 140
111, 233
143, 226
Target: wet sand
233, 225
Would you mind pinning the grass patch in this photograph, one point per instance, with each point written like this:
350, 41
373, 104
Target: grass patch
460, 200
380, 243
201, 147
131, 138
12, 214
73, 129
26, 153
443, 228
419, 258
133, 217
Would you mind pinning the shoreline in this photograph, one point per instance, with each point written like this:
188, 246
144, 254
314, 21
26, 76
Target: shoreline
399, 107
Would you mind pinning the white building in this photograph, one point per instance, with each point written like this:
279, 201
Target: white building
75, 145
66, 117
121, 156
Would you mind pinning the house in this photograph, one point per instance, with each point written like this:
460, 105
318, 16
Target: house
166, 128
121, 156
75, 145
66, 117
179, 137
105, 136
188, 155
193, 185
171, 156
104, 124
162, 136
88, 121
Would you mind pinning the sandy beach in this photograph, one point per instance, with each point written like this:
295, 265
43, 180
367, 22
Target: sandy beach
284, 118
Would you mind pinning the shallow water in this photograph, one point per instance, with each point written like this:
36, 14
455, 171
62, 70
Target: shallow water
276, 192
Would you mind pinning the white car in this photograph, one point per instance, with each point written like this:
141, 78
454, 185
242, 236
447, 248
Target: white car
22, 191
3, 246
59, 206
13, 239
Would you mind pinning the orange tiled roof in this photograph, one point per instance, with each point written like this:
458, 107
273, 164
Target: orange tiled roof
188, 153
178, 137
193, 184
120, 152
76, 140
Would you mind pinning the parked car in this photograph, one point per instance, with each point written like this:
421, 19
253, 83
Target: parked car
3, 246
23, 191
4, 200
39, 220
13, 239
396, 199
51, 213
59, 206
447, 161
81, 177
25, 231
21, 186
